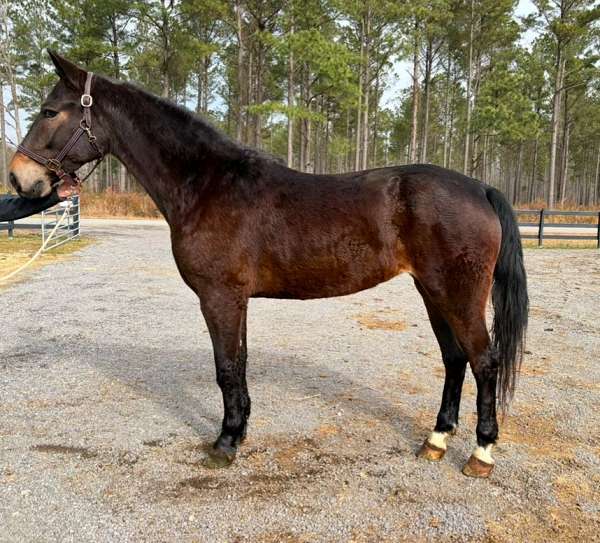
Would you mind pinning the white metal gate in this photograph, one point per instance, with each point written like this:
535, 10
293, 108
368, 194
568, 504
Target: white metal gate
68, 229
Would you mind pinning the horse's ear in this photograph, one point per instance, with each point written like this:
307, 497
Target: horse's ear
73, 76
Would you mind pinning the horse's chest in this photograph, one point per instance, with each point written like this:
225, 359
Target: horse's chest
209, 256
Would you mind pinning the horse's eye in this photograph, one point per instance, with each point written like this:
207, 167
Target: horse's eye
49, 113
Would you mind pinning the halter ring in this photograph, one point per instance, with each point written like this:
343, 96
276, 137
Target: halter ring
87, 100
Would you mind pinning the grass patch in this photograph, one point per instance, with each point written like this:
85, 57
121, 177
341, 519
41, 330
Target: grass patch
17, 251
561, 244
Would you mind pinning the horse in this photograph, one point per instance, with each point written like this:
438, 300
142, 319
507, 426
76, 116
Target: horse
243, 225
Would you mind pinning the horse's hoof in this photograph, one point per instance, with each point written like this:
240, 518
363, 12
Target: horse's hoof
477, 468
431, 452
217, 459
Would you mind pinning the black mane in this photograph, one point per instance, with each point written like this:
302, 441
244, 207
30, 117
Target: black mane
180, 132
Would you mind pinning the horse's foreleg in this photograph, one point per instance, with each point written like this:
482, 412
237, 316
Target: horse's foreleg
225, 317
244, 361
243, 342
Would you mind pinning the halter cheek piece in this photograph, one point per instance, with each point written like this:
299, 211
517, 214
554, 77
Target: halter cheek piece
85, 127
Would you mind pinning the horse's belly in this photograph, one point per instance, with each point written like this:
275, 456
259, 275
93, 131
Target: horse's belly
327, 275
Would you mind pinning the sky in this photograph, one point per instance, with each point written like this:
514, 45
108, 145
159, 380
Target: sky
399, 78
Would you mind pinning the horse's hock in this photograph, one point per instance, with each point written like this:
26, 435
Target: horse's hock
104, 419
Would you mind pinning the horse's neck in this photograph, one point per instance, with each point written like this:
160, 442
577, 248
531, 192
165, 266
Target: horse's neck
149, 172
173, 182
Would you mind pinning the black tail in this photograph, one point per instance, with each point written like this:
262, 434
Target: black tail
510, 300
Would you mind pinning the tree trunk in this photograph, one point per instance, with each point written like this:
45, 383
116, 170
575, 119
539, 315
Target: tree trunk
467, 155
347, 155
229, 107
367, 86
565, 162
531, 192
484, 159
122, 177
241, 72
415, 97
517, 183
447, 113
375, 144
426, 92
597, 178
114, 40
15, 103
8, 70
308, 165
365, 131
249, 96
115, 47
258, 95
556, 110
290, 100
326, 146
301, 158
199, 85
3, 149
205, 85
357, 156
451, 132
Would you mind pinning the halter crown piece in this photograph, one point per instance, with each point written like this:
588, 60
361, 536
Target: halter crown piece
85, 127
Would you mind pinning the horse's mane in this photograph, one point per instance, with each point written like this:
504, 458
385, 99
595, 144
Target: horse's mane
181, 132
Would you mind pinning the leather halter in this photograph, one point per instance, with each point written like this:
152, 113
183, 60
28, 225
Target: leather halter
85, 127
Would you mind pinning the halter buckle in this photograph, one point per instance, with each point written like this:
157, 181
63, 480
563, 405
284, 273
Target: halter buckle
53, 165
87, 100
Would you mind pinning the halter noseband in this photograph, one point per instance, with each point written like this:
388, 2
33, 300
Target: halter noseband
85, 127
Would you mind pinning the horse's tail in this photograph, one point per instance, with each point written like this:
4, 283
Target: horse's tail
510, 300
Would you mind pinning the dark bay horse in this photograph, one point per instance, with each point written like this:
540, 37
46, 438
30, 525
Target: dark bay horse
243, 225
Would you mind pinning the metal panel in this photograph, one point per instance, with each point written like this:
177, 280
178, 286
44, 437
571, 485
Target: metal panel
67, 230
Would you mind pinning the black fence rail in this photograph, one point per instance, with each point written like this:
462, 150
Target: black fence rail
546, 229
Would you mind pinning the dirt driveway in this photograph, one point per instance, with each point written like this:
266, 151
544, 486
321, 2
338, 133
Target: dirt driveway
107, 398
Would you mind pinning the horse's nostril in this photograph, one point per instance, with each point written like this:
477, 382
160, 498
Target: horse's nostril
38, 187
14, 181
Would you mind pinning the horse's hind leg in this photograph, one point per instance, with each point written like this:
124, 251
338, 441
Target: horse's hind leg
225, 315
455, 363
462, 304
473, 336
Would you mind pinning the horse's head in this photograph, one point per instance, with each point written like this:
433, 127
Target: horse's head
61, 115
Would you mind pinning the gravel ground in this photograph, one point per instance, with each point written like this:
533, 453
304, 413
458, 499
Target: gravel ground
108, 399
